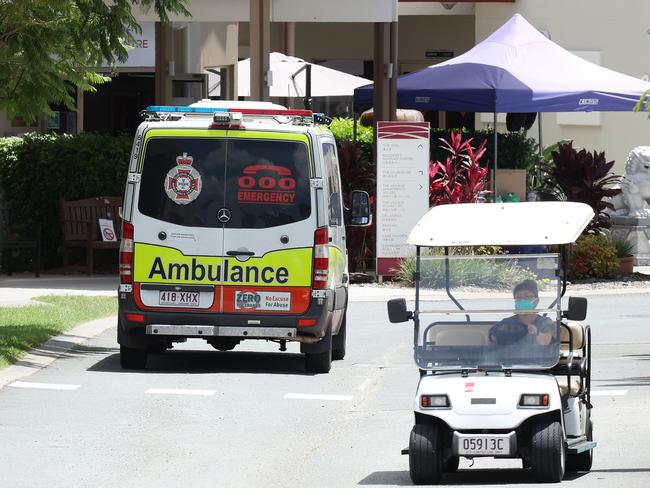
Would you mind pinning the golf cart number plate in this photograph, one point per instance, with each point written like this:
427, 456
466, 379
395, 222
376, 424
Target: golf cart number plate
179, 298
484, 445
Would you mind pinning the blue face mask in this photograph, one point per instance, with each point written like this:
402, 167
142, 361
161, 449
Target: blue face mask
524, 304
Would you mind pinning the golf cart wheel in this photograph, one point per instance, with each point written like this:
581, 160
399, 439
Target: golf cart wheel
156, 348
133, 358
425, 464
451, 464
547, 451
583, 460
338, 342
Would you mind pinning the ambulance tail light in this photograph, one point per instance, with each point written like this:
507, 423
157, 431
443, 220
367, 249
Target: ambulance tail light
321, 259
126, 253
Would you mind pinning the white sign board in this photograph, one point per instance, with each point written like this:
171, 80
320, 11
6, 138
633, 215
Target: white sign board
107, 230
142, 54
402, 188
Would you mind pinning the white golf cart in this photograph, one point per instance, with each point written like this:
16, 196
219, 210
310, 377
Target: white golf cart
498, 380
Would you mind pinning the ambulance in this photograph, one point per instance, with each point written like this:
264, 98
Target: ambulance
234, 229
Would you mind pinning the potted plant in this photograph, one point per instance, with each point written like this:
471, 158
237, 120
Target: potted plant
624, 250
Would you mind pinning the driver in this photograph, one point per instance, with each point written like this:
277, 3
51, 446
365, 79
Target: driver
525, 326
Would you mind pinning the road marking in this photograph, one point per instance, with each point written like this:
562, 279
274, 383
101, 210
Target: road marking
608, 392
366, 383
306, 396
43, 386
174, 391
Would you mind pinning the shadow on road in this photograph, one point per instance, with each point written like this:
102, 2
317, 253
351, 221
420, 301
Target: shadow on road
207, 362
618, 382
463, 477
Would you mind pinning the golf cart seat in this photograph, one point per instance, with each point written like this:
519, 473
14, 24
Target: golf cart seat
458, 333
562, 383
572, 345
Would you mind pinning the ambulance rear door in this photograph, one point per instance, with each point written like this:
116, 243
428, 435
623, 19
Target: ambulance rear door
178, 220
269, 234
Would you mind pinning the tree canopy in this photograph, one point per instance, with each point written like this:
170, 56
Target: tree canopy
50, 47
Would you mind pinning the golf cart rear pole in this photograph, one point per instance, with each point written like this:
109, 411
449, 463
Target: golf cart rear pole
416, 313
453, 299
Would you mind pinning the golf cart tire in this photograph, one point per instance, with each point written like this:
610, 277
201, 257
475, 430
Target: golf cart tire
451, 464
584, 460
338, 342
425, 466
547, 451
131, 358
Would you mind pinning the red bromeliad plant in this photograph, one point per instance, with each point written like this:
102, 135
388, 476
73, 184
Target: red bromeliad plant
459, 179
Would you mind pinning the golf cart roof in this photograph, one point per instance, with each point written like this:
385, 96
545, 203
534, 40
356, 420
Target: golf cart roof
493, 224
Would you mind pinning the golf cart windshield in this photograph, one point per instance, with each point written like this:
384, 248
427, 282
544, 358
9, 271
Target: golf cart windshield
487, 311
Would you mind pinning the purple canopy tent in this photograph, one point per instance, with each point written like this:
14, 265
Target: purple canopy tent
517, 70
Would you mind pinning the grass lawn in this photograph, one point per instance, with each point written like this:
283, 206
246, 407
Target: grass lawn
22, 328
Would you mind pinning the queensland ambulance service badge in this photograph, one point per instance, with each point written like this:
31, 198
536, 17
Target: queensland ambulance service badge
183, 182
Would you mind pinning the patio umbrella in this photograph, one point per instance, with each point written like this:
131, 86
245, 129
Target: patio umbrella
290, 79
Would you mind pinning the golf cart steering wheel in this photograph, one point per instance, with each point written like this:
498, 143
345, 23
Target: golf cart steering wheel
508, 332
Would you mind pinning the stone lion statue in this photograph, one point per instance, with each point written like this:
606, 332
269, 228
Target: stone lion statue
635, 185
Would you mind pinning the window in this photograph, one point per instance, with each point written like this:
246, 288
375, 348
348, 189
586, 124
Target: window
333, 184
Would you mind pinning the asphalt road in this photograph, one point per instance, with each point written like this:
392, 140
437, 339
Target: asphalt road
246, 417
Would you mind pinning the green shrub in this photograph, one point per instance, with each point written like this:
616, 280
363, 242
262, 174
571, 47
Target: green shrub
39, 169
516, 150
593, 256
487, 273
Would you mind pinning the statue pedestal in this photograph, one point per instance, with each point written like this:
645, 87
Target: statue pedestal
635, 230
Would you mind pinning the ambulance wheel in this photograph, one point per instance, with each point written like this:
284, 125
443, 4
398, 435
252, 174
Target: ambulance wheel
583, 460
547, 452
338, 342
319, 362
451, 464
425, 466
133, 358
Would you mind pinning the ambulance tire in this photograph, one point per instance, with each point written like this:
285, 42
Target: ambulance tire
321, 361
338, 342
132, 358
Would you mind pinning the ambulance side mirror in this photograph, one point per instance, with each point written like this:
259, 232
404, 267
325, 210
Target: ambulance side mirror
397, 311
359, 214
577, 309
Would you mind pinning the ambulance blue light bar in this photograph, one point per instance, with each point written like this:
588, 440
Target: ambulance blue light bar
183, 110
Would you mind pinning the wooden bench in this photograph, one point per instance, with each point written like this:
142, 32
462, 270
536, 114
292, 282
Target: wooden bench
10, 242
80, 228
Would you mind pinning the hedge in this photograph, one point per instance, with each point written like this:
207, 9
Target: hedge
39, 169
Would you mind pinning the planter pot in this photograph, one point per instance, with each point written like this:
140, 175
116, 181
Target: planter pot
626, 265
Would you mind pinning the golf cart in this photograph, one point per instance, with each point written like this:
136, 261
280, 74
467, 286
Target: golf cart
498, 380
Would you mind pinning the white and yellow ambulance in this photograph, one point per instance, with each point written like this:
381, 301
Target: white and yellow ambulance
233, 229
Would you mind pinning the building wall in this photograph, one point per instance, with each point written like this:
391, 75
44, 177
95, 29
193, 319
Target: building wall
617, 33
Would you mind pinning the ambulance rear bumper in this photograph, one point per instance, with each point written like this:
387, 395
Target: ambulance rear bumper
220, 331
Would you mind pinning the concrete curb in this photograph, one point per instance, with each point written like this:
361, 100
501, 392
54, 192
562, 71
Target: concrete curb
58, 346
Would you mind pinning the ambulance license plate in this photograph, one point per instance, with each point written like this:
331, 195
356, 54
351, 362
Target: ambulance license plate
484, 445
179, 298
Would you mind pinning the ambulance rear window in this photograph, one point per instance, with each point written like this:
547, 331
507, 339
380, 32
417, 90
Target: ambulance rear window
259, 182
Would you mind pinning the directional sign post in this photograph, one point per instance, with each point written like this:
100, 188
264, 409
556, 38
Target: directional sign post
402, 189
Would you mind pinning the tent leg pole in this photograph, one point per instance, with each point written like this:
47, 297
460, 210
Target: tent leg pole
494, 178
354, 122
539, 124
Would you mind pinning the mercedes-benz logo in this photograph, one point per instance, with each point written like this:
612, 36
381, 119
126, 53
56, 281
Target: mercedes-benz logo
223, 215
